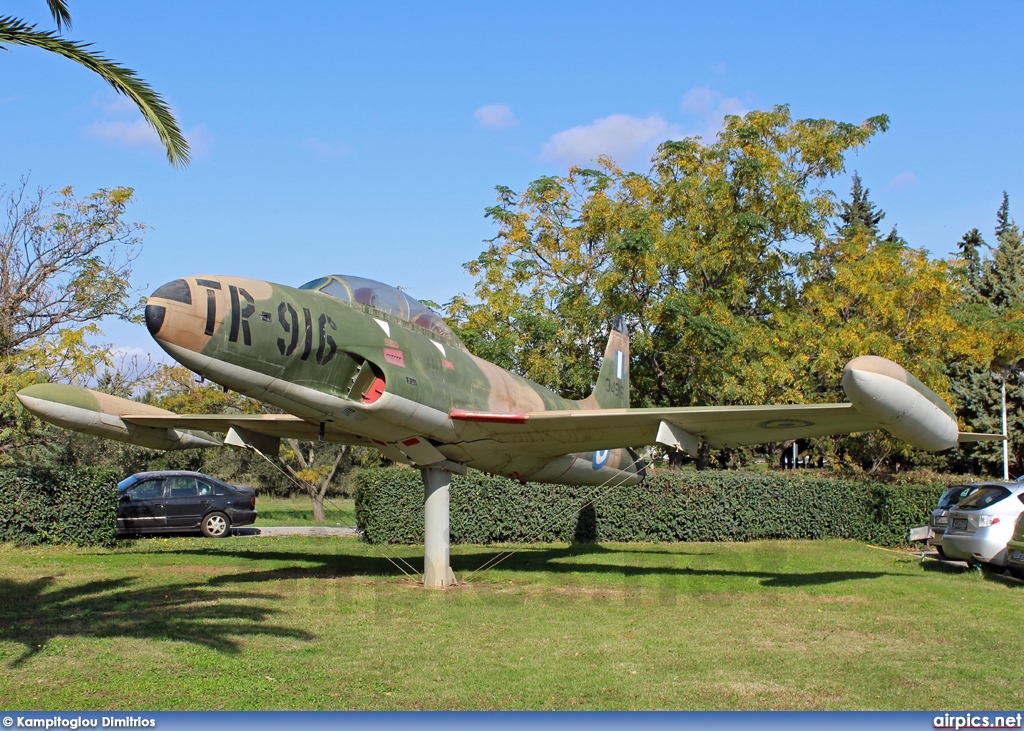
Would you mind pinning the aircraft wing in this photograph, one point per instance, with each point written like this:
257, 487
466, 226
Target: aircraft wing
282, 426
550, 433
103, 415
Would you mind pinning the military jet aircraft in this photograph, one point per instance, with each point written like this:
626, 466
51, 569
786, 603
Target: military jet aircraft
355, 361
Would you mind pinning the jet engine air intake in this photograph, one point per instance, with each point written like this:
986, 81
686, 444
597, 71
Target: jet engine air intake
367, 383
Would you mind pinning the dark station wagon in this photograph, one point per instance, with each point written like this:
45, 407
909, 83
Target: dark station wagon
178, 502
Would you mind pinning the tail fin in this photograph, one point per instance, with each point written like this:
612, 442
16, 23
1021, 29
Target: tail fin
612, 389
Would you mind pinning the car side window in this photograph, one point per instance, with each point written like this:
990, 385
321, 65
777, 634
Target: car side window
182, 487
205, 488
147, 490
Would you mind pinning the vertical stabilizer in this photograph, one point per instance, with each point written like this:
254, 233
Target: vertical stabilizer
612, 388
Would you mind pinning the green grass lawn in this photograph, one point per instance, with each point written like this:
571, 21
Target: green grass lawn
328, 623
298, 510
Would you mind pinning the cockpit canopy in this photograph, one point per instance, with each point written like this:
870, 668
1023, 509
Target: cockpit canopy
383, 298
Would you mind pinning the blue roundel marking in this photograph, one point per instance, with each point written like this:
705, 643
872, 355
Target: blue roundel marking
601, 458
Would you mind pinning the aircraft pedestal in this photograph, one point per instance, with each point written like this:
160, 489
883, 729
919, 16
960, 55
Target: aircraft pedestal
437, 570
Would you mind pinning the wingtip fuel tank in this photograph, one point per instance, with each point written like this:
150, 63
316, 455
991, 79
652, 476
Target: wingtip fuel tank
99, 414
887, 394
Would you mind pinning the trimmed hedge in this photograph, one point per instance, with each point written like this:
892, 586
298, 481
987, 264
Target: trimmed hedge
667, 507
64, 505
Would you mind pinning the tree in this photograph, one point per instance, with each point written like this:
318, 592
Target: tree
65, 264
1001, 284
315, 466
178, 389
862, 294
996, 310
970, 247
860, 212
124, 81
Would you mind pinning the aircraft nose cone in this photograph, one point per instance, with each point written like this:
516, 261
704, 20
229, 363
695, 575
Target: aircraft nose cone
176, 291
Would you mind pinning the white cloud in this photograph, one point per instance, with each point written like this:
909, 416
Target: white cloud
326, 150
125, 134
903, 181
200, 141
622, 137
133, 131
140, 135
495, 116
115, 105
710, 107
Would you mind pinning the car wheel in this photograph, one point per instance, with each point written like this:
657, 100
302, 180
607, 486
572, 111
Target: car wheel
1017, 571
941, 552
216, 525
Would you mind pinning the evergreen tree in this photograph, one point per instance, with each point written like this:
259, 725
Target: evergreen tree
1001, 284
1003, 220
998, 304
860, 213
970, 249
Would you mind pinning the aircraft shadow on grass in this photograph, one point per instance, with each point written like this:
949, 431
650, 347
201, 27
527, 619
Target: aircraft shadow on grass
35, 612
521, 559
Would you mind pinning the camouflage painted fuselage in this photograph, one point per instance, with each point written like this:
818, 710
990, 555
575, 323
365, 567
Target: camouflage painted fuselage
371, 377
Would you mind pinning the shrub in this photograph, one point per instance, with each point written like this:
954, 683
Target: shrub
668, 506
63, 505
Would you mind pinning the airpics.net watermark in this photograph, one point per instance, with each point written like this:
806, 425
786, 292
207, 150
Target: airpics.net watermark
78, 722
971, 720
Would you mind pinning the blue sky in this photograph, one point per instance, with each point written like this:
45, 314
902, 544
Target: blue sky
367, 138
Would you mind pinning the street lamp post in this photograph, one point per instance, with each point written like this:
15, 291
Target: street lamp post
1002, 377
1006, 441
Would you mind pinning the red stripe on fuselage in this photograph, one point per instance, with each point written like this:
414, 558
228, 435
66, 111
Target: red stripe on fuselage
501, 417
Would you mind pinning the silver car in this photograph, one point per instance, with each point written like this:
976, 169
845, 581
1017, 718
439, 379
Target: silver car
940, 516
980, 526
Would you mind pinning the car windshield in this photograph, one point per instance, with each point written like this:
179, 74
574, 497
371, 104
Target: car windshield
984, 497
954, 495
383, 298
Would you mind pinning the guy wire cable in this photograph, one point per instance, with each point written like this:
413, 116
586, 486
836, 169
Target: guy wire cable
495, 560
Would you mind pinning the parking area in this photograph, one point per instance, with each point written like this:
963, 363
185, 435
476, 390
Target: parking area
296, 530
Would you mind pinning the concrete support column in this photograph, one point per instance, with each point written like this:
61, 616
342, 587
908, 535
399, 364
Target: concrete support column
437, 570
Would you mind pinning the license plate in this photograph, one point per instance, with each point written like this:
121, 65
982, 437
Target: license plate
1017, 555
960, 524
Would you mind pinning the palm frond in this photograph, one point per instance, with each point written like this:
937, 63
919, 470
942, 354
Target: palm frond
61, 14
125, 81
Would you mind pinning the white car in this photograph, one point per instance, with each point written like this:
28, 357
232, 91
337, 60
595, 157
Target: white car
980, 526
